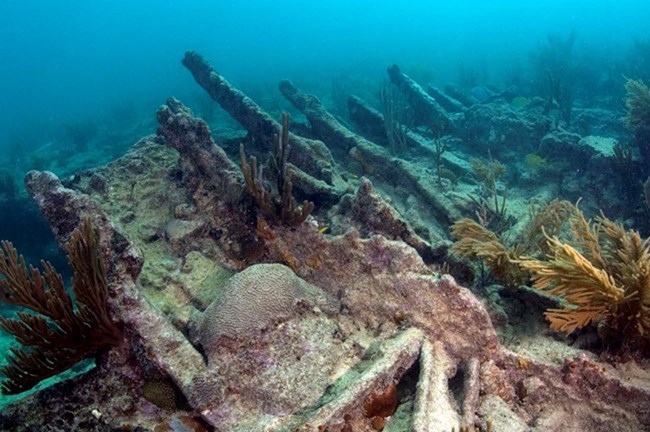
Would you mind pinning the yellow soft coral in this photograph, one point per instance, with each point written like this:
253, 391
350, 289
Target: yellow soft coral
603, 275
476, 242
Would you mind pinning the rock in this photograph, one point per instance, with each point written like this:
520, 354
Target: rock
598, 121
499, 125
602, 146
566, 147
502, 417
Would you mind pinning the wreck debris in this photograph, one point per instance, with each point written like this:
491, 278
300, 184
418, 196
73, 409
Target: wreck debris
395, 171
447, 102
313, 370
458, 93
372, 214
375, 279
311, 157
426, 110
322, 123
433, 409
205, 165
367, 120
370, 122
471, 390
397, 356
328, 128
147, 330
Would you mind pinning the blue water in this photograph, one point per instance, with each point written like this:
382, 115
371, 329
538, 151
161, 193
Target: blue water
63, 60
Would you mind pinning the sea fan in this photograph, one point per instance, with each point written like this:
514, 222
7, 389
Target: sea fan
57, 334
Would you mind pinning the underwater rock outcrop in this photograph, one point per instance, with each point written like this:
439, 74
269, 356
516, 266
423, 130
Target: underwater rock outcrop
503, 127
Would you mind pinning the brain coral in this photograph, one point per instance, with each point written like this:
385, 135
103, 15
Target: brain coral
255, 298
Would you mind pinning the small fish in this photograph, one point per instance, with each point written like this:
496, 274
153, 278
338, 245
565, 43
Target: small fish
520, 102
535, 161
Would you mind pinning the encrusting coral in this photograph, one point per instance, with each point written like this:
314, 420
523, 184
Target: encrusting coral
61, 334
603, 274
283, 208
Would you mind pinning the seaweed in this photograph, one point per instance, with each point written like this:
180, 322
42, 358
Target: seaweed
398, 116
492, 210
477, 243
600, 270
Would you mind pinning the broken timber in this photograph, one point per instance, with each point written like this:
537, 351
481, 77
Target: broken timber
427, 111
371, 124
314, 173
395, 171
